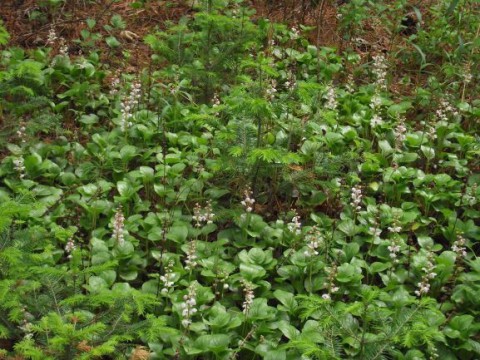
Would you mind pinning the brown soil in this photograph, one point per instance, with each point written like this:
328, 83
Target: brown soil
29, 22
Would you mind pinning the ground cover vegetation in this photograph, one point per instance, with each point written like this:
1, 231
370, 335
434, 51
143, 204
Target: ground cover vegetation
248, 193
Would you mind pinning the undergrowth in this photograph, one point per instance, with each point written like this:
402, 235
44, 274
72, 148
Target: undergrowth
249, 194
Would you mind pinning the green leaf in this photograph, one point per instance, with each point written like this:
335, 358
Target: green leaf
89, 119
251, 271
348, 227
287, 299
377, 267
425, 242
4, 35
178, 233
428, 152
289, 331
109, 276
96, 284
452, 6
348, 273
112, 42
117, 22
90, 23
260, 310
214, 342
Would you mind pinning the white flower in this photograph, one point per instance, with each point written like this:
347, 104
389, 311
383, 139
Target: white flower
291, 83
168, 278
429, 273
191, 261
380, 71
395, 229
52, 36
376, 120
376, 101
295, 225
272, 90
314, 240
63, 47
21, 133
400, 131
467, 74
356, 197
249, 296
216, 100
119, 227
331, 98
444, 110
326, 297
189, 305
128, 105
19, 166
114, 83
69, 247
248, 202
375, 231
459, 247
204, 215
294, 33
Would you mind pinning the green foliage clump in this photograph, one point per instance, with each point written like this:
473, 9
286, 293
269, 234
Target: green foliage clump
249, 195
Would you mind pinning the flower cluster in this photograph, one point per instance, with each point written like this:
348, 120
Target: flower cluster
380, 71
63, 50
271, 90
52, 36
376, 120
467, 73
189, 306
395, 228
119, 227
216, 100
53, 40
249, 296
428, 274
248, 202
331, 98
394, 248
27, 328
350, 85
191, 260
294, 33
470, 195
69, 247
330, 284
314, 241
375, 105
459, 247
396, 242
374, 228
114, 84
400, 131
19, 166
291, 83
167, 278
21, 133
295, 225
204, 215
128, 105
356, 198
444, 110
430, 130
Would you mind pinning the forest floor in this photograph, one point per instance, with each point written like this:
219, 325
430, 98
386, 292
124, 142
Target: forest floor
29, 23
